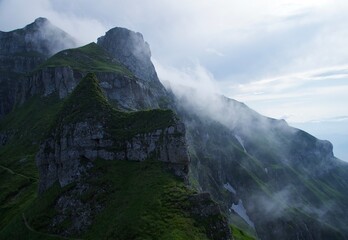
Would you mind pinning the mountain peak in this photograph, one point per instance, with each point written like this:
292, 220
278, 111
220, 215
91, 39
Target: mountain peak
129, 47
41, 20
40, 36
39, 24
86, 101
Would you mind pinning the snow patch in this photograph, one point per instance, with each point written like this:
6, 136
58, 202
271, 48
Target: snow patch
241, 142
266, 170
229, 188
240, 210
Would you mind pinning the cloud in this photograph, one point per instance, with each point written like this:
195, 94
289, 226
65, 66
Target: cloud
214, 52
256, 37
304, 96
16, 14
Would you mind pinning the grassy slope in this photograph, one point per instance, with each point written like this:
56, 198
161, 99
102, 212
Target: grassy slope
239, 234
18, 173
142, 202
89, 58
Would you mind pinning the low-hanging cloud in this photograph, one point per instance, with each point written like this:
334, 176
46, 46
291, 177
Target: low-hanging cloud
15, 14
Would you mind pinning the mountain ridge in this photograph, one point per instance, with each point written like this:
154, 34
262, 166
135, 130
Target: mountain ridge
270, 180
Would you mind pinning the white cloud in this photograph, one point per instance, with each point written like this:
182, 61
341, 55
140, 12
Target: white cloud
214, 52
18, 13
304, 96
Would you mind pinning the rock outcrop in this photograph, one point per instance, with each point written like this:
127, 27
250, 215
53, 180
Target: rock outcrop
130, 49
216, 225
69, 152
121, 87
68, 155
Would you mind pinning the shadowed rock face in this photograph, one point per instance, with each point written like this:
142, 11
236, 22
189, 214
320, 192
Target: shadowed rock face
130, 49
67, 155
129, 93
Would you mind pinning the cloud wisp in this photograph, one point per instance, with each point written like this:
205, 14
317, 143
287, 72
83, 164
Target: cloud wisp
317, 91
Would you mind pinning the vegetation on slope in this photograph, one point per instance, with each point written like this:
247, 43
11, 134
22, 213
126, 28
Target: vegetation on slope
89, 58
25, 127
239, 234
140, 200
88, 102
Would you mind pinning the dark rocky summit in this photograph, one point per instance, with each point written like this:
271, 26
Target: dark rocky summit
130, 49
22, 50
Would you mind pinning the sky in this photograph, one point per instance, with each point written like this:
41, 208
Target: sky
287, 59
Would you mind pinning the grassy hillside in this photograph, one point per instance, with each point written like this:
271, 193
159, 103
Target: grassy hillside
89, 58
26, 126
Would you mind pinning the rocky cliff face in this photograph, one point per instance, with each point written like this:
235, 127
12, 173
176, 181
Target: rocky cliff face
69, 153
128, 93
76, 142
62, 156
130, 49
58, 80
120, 86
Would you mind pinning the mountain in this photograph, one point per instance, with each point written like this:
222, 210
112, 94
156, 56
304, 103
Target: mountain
273, 180
94, 147
22, 50
110, 163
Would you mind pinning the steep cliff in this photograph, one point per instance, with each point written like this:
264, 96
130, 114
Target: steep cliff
130, 49
62, 72
89, 128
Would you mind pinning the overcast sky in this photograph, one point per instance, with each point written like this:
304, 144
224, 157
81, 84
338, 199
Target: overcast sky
285, 58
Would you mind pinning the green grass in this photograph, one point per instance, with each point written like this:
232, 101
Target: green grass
146, 203
89, 58
142, 201
88, 103
239, 234
18, 173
